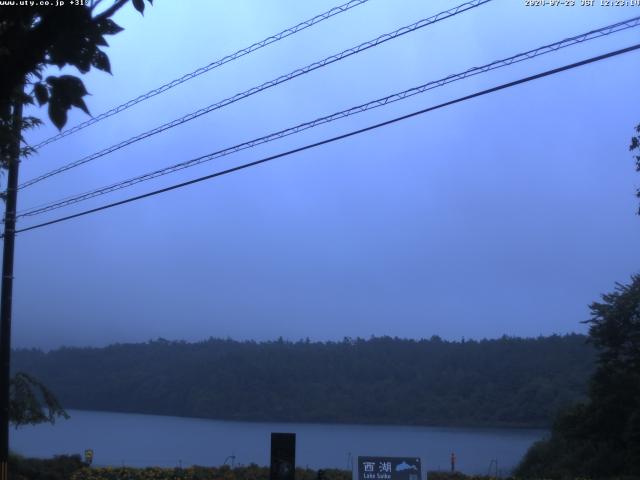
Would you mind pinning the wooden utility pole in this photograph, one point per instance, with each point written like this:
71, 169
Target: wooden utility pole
11, 201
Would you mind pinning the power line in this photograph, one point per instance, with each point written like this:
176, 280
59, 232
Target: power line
218, 63
617, 27
252, 91
340, 137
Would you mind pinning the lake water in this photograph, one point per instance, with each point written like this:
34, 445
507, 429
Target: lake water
142, 440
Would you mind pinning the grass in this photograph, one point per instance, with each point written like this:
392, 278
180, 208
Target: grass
71, 467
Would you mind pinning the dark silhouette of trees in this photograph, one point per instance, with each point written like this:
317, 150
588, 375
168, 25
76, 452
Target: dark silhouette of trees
601, 437
507, 381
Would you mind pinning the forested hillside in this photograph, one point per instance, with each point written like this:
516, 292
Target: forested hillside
503, 382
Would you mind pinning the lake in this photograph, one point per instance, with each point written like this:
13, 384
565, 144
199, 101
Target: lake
143, 440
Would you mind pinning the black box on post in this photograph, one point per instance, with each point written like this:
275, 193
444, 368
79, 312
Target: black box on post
283, 456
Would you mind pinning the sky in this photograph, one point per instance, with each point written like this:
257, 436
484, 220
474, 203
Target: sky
507, 214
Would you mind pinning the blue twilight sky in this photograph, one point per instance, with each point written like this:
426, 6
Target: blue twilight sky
506, 214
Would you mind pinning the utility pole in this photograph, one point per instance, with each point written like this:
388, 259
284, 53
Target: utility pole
11, 201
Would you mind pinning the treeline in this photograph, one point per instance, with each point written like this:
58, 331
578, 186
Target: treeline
503, 382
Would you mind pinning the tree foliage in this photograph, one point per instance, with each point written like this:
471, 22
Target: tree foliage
30, 402
35, 38
601, 437
635, 147
507, 381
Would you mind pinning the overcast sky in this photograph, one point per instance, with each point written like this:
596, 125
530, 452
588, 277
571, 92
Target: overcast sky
505, 214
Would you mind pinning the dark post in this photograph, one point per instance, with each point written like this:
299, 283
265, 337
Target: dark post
453, 462
283, 456
7, 285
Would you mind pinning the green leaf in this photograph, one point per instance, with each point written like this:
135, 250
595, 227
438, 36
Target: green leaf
66, 91
79, 102
101, 41
42, 93
29, 122
72, 85
101, 61
139, 5
109, 27
58, 114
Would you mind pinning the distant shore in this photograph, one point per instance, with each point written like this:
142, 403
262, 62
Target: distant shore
502, 383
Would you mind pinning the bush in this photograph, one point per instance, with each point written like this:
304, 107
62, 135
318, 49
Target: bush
60, 467
251, 472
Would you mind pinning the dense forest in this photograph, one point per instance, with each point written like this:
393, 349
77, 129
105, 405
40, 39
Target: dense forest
502, 382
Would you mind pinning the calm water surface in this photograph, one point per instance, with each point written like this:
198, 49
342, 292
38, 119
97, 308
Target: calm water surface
142, 440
